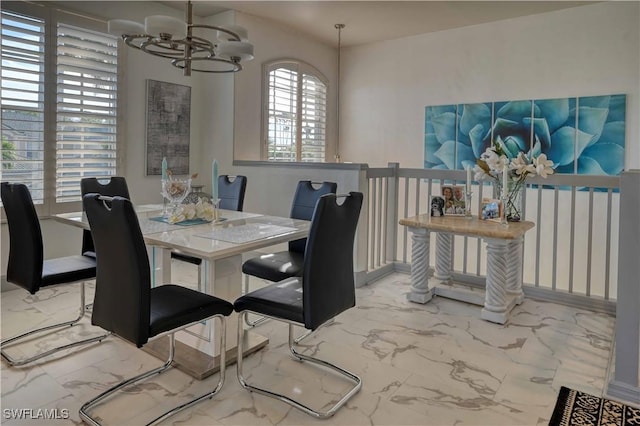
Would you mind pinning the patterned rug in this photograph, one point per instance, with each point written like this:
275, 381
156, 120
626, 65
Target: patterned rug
578, 408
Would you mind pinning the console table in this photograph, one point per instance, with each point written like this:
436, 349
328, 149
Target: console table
504, 261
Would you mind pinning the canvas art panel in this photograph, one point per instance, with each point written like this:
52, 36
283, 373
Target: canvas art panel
581, 135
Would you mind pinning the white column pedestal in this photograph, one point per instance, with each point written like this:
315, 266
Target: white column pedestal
444, 259
504, 274
420, 292
504, 284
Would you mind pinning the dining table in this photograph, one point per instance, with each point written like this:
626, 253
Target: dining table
221, 245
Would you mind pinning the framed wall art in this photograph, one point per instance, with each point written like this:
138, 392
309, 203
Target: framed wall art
168, 127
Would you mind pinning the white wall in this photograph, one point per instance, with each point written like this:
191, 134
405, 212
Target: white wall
213, 117
588, 50
272, 42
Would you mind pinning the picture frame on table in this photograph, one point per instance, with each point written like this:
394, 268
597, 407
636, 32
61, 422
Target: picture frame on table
454, 200
491, 209
436, 206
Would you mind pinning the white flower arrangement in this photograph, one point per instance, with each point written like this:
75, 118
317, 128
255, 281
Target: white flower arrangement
491, 165
200, 210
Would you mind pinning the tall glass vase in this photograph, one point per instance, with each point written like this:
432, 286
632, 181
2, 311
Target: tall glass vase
513, 198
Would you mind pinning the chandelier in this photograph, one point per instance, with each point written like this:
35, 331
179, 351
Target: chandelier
184, 42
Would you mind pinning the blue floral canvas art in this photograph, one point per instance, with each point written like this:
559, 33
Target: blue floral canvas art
584, 135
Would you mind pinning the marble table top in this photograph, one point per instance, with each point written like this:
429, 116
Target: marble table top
473, 227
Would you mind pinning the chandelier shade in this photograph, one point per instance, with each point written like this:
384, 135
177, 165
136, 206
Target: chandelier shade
159, 24
186, 44
119, 27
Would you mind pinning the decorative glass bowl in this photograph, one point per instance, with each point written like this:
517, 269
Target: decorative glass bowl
175, 191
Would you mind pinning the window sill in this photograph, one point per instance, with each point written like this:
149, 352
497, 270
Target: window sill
301, 165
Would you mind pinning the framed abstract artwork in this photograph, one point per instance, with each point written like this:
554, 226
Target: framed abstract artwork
168, 127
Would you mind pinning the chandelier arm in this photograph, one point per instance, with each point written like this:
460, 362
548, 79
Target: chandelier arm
201, 43
130, 38
170, 52
169, 49
235, 65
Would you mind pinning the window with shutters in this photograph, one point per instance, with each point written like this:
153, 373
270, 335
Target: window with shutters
59, 103
295, 118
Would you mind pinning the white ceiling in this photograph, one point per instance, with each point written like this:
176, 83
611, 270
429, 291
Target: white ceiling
371, 21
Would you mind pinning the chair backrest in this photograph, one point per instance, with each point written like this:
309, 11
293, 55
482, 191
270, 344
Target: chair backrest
304, 202
123, 280
328, 287
116, 186
25, 237
231, 192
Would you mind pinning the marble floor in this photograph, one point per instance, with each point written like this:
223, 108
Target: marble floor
433, 364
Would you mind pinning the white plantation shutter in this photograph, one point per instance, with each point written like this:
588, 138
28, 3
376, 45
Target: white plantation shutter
314, 118
59, 102
87, 82
282, 115
296, 111
23, 45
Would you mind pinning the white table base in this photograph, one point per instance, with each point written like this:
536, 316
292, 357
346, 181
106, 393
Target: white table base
504, 274
197, 352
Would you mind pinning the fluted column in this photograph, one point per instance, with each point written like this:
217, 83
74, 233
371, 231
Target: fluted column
495, 303
443, 257
420, 291
514, 279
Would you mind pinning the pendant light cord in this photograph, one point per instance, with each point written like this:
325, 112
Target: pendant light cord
339, 27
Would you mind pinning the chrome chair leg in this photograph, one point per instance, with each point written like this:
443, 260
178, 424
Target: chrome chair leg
314, 413
84, 415
19, 338
246, 284
256, 322
246, 318
308, 333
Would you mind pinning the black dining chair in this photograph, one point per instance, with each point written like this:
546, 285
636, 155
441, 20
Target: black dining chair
285, 264
231, 191
28, 269
325, 289
126, 304
116, 185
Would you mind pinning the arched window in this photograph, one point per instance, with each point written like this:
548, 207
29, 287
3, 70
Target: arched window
295, 112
